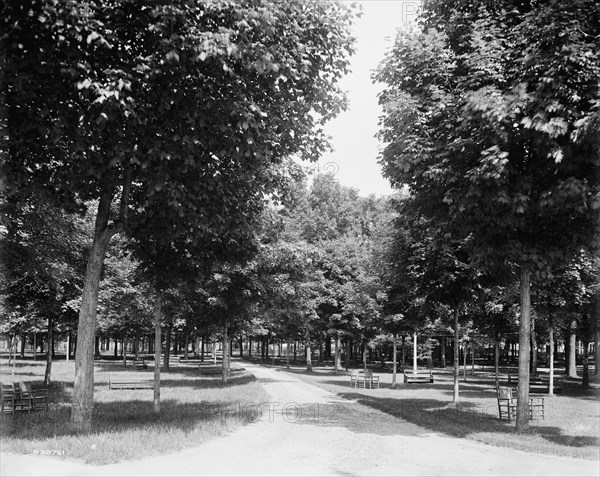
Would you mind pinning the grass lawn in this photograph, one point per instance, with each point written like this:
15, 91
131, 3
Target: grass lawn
571, 426
194, 409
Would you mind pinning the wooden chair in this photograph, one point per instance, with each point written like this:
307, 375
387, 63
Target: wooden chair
38, 398
507, 404
357, 379
536, 407
7, 394
373, 381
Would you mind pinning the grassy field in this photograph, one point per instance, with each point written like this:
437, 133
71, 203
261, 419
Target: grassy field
571, 426
194, 408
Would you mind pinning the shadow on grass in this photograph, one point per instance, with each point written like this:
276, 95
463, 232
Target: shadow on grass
462, 420
113, 417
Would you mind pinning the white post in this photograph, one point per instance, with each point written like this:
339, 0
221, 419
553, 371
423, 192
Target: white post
415, 353
68, 345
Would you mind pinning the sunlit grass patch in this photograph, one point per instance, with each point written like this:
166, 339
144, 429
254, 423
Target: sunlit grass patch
570, 428
194, 409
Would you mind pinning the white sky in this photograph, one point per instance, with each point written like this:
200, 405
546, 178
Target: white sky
354, 160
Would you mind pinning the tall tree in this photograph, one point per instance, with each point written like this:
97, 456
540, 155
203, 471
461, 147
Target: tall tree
491, 115
182, 112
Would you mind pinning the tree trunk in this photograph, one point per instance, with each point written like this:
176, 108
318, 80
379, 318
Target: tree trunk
48, 355
187, 345
597, 350
534, 354
68, 346
336, 350
225, 354
415, 348
586, 375
551, 359
124, 353
214, 351
348, 354
157, 353
308, 352
116, 352
455, 397
465, 354
295, 350
364, 356
250, 347
167, 353
473, 358
403, 352
572, 371
497, 360
35, 347
524, 338
83, 386
443, 344
287, 354
394, 364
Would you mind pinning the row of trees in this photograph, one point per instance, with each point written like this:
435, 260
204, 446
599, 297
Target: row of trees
491, 119
174, 119
149, 182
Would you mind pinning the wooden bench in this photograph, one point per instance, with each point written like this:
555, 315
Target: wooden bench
538, 383
22, 397
140, 364
130, 381
418, 377
173, 361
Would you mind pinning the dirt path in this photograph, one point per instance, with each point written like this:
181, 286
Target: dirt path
308, 431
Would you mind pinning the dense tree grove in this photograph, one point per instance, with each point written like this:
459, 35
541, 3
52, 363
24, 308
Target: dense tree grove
153, 203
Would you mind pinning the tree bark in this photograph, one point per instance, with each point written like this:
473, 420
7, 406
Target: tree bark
287, 354
551, 359
597, 350
167, 353
497, 360
443, 345
534, 354
49, 355
415, 366
157, 353
394, 365
35, 347
308, 352
124, 353
225, 354
336, 358
586, 369
465, 354
572, 371
455, 396
522, 421
348, 354
83, 387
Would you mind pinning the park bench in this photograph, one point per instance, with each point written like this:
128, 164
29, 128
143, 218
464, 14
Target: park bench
22, 397
507, 405
173, 361
418, 377
140, 364
208, 369
538, 383
130, 381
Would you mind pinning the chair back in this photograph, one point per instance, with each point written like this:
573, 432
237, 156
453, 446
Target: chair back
504, 392
369, 373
